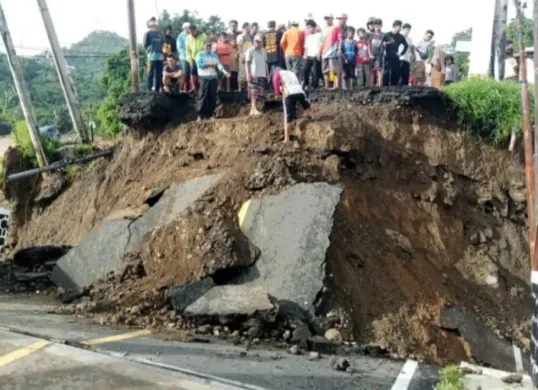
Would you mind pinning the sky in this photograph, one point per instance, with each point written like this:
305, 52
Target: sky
74, 19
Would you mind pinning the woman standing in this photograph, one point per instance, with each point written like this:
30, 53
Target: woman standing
207, 63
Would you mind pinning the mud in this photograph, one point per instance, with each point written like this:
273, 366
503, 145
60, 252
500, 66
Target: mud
430, 216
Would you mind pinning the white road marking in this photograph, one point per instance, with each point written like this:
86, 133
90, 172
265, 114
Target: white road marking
518, 359
405, 376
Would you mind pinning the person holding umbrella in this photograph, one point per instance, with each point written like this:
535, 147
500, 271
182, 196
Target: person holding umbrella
207, 63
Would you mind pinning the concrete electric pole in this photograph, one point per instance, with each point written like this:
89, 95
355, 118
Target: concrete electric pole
22, 91
63, 74
135, 75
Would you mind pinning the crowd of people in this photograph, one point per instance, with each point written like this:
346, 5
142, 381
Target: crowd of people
335, 55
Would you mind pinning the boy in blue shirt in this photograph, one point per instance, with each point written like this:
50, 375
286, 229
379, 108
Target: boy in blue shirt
349, 51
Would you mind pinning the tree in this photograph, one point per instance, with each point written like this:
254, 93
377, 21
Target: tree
460, 58
213, 23
511, 33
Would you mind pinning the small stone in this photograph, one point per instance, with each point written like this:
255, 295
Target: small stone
489, 233
287, 335
334, 335
300, 336
475, 239
204, 329
513, 378
295, 350
470, 371
276, 356
350, 370
339, 363
314, 356
255, 341
216, 332
482, 237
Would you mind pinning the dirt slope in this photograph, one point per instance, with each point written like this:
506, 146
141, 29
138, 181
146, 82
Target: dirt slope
429, 217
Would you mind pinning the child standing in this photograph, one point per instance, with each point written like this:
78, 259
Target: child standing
224, 50
349, 50
364, 67
377, 48
234, 65
451, 71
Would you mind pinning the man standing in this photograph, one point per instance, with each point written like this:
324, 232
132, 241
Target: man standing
271, 44
232, 31
293, 45
407, 57
244, 42
392, 72
195, 45
421, 55
287, 84
254, 29
182, 52
257, 73
312, 55
329, 52
172, 75
153, 42
342, 32
170, 44
207, 64
370, 28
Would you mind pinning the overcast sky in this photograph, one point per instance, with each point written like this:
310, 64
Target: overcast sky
74, 19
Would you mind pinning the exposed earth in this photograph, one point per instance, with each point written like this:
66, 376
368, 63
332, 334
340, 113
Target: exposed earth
420, 236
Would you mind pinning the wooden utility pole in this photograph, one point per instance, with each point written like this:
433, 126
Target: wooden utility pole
22, 91
63, 74
135, 75
499, 38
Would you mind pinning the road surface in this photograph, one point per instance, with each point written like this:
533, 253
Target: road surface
39, 350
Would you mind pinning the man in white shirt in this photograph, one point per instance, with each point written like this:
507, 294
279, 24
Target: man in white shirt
312, 55
257, 73
287, 84
407, 57
421, 55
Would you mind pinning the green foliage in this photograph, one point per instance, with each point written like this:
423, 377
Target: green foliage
24, 143
488, 108
451, 379
212, 24
462, 59
511, 33
83, 150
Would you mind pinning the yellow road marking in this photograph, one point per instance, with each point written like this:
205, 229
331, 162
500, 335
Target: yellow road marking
22, 352
117, 337
243, 212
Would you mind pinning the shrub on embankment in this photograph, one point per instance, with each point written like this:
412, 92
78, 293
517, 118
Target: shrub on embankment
488, 108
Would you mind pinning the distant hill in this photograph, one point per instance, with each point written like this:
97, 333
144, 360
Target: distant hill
86, 60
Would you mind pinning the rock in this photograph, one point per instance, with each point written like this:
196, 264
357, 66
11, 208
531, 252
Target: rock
513, 378
295, 350
287, 335
482, 237
475, 239
301, 218
373, 350
204, 329
400, 240
334, 336
183, 296
322, 345
488, 233
331, 168
470, 371
129, 213
339, 363
231, 300
27, 277
35, 256
300, 336
314, 356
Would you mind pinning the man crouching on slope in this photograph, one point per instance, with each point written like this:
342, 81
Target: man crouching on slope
287, 84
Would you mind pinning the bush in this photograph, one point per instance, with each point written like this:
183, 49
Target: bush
451, 379
488, 108
24, 143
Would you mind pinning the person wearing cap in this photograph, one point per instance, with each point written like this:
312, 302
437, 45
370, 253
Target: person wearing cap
293, 45
330, 52
170, 44
153, 42
182, 53
287, 84
257, 73
312, 55
271, 44
195, 44
207, 63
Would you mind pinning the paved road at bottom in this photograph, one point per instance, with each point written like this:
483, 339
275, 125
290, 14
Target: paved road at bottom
33, 355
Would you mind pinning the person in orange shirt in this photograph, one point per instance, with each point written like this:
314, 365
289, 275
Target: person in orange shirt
293, 45
224, 51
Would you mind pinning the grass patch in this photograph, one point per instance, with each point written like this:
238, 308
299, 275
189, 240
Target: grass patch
488, 108
24, 143
451, 379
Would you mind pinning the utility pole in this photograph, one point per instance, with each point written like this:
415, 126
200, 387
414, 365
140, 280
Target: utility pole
135, 75
63, 74
499, 37
22, 91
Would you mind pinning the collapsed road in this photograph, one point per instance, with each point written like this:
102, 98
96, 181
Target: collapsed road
382, 227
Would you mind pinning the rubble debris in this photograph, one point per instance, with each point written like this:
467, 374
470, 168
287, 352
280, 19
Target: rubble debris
300, 335
512, 379
314, 356
334, 336
295, 350
322, 345
182, 297
466, 370
339, 363
36, 256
